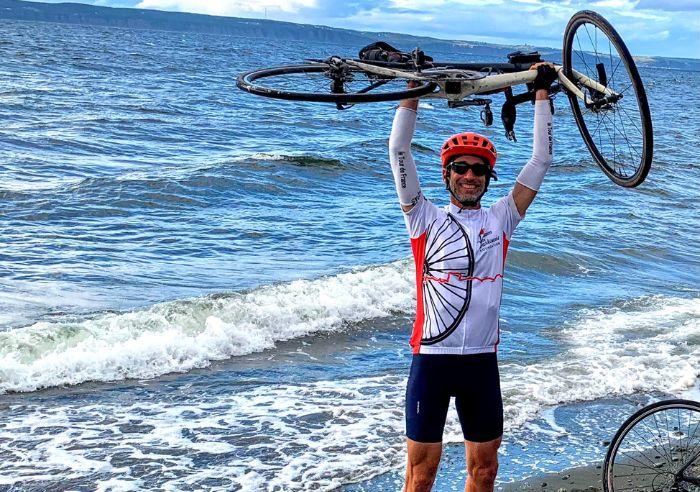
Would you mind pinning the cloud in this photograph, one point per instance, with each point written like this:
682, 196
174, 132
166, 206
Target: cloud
670, 5
228, 7
647, 31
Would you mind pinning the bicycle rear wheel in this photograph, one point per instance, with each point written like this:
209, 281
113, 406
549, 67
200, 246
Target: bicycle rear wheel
338, 83
618, 134
656, 450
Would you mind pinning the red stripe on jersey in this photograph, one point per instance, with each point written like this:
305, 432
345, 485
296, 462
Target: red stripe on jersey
505, 253
418, 247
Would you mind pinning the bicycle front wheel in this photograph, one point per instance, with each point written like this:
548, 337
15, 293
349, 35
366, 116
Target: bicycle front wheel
617, 132
656, 450
338, 83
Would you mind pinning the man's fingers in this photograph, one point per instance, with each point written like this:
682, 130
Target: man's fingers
539, 64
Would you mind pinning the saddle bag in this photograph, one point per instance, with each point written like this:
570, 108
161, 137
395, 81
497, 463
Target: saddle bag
383, 52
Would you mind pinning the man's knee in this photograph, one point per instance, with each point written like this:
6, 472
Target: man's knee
423, 480
422, 465
484, 473
482, 463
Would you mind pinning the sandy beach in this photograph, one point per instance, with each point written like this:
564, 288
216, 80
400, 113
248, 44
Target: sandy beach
452, 475
585, 478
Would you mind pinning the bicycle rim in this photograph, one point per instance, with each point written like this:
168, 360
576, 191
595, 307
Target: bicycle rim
322, 82
653, 447
618, 134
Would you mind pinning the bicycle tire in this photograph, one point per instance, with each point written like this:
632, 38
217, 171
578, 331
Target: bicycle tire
253, 82
614, 169
609, 470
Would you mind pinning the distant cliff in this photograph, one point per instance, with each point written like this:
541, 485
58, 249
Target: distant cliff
76, 13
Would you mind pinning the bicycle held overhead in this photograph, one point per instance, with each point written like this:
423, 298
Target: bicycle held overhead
597, 73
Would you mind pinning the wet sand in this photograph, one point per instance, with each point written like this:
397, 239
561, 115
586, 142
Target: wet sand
451, 478
586, 478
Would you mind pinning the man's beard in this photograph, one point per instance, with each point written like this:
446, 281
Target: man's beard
464, 196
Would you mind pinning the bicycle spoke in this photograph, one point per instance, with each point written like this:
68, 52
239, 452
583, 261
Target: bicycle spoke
649, 444
659, 431
624, 133
625, 89
614, 71
692, 436
636, 474
585, 26
641, 464
615, 154
629, 145
631, 119
588, 70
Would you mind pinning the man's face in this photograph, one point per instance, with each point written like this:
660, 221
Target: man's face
467, 187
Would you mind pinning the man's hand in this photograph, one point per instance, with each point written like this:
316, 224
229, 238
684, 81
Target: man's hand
546, 74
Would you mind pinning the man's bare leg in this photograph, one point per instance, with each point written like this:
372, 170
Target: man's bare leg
482, 465
422, 465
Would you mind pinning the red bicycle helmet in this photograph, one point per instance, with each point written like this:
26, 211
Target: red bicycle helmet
468, 143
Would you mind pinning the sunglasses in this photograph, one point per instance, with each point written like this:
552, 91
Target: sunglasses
463, 167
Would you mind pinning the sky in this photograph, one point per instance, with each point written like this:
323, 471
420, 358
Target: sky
649, 27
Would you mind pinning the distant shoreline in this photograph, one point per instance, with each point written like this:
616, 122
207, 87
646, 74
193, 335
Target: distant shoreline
157, 20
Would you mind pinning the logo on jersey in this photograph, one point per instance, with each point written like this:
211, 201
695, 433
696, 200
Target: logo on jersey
487, 241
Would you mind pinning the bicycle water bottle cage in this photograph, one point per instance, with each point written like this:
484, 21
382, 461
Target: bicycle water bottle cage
524, 57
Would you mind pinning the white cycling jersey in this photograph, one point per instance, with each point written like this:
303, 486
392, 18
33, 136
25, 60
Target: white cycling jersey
460, 254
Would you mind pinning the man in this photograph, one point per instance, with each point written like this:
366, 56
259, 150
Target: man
460, 254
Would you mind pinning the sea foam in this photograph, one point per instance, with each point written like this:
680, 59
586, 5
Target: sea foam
318, 435
181, 335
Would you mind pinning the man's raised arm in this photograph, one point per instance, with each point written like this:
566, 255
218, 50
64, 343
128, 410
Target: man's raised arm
400, 157
531, 176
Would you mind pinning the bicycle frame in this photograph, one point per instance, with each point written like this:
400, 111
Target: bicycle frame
454, 88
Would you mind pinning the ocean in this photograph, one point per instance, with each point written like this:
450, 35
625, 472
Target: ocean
201, 289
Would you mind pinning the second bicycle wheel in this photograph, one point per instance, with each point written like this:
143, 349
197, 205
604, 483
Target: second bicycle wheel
617, 133
336, 82
656, 450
